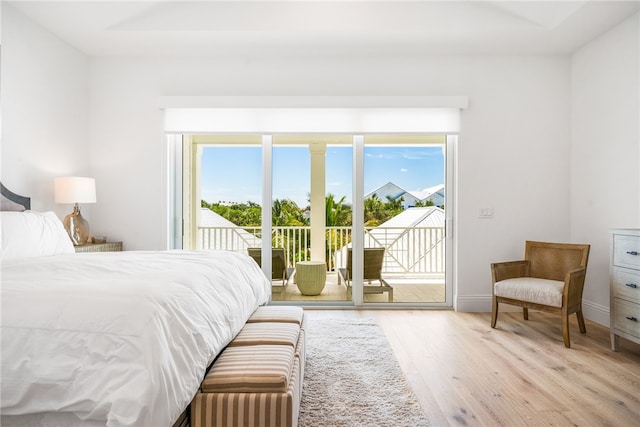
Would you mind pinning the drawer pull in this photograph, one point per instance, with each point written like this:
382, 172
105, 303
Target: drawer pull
632, 252
632, 318
631, 285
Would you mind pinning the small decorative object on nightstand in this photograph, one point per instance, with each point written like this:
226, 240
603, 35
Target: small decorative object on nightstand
100, 247
75, 189
625, 286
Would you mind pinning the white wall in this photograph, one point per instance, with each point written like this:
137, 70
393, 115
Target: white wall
605, 150
513, 153
45, 115
514, 150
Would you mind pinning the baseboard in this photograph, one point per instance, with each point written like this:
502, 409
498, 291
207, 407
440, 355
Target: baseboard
473, 303
479, 304
596, 312
482, 304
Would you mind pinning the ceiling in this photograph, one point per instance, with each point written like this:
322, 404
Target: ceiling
313, 28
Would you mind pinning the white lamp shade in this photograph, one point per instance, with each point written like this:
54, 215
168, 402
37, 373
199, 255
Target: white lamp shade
75, 189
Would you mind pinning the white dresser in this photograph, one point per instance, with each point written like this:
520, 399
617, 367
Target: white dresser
625, 285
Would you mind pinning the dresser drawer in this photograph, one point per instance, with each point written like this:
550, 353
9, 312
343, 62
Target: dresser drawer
626, 251
627, 317
626, 284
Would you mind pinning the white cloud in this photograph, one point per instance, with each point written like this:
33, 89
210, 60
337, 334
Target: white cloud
404, 170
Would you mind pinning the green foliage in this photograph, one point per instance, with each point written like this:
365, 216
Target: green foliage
420, 204
244, 214
336, 213
394, 207
377, 212
373, 211
287, 213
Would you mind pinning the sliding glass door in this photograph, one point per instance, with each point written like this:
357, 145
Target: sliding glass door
358, 219
404, 254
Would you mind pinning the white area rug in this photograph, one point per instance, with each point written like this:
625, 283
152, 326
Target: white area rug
353, 379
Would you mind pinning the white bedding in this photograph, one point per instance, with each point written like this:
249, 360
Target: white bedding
118, 338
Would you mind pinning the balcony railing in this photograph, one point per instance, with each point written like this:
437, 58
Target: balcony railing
414, 250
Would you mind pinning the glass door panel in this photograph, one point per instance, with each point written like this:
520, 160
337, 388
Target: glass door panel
311, 213
229, 188
338, 218
290, 210
404, 219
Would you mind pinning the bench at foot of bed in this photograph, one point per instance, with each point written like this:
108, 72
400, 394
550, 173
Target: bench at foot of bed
257, 379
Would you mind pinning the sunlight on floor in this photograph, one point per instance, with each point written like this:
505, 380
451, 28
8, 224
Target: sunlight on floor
404, 290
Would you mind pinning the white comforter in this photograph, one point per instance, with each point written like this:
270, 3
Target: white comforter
119, 338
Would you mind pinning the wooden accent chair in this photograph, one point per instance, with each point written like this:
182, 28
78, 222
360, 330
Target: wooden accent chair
280, 270
550, 278
373, 258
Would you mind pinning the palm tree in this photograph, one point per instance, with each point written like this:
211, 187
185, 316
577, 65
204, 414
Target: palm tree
373, 211
278, 215
394, 207
336, 213
421, 204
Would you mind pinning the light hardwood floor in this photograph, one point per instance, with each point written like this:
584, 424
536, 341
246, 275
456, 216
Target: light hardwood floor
520, 374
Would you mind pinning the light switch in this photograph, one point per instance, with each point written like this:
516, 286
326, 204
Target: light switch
485, 213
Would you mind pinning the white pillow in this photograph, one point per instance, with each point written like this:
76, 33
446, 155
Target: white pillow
32, 234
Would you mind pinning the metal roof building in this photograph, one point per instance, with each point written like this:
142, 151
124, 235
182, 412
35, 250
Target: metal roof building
410, 198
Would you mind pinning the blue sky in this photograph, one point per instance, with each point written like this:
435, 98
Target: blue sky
233, 174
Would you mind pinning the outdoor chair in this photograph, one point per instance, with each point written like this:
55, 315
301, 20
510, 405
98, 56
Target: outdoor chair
550, 278
279, 268
373, 258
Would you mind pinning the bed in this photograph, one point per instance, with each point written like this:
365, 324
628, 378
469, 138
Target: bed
111, 338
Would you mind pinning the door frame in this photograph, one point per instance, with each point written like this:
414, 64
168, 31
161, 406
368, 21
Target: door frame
351, 115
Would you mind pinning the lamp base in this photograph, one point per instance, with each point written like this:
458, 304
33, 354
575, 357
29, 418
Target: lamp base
77, 227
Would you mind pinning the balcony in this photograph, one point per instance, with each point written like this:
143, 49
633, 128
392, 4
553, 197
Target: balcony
414, 262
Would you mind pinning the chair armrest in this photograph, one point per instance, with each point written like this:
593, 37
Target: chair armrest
573, 285
509, 270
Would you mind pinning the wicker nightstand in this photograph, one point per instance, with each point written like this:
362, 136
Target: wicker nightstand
100, 247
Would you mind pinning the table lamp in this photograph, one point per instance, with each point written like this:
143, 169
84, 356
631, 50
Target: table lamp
74, 189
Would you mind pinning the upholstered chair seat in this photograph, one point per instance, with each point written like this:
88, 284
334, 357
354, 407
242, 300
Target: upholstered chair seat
531, 289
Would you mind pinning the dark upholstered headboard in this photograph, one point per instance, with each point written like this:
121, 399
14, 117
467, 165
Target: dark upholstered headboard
10, 201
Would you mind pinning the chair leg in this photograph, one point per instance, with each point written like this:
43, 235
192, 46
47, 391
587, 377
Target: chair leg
525, 313
565, 330
581, 325
494, 312
390, 294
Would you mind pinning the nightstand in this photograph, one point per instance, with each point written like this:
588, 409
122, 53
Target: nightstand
100, 247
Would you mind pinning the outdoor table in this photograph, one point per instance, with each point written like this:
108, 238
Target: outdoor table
311, 277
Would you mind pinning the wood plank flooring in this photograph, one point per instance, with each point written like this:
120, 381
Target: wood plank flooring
520, 374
